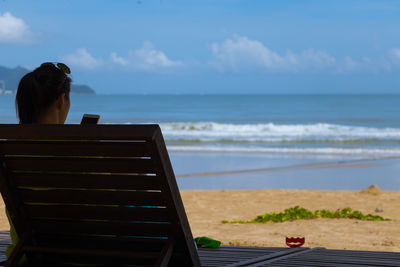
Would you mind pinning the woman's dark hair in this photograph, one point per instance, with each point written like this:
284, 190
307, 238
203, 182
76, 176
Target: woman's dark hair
38, 89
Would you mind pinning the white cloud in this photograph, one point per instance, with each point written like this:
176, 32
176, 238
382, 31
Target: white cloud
82, 58
242, 52
350, 64
363, 64
116, 59
317, 59
13, 30
147, 57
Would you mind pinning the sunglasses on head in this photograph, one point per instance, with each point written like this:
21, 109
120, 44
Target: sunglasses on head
59, 65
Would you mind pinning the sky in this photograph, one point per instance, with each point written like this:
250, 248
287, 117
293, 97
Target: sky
209, 46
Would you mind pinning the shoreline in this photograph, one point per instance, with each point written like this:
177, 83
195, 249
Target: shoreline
311, 165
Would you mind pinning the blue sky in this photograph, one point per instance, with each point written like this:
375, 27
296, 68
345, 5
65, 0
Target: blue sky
209, 46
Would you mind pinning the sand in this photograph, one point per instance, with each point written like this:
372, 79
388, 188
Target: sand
206, 209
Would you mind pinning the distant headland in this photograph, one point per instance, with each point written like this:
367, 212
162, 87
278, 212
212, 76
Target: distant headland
9, 79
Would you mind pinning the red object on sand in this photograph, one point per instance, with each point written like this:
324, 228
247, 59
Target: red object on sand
295, 242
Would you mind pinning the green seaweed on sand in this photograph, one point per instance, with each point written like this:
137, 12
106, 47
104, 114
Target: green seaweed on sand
299, 213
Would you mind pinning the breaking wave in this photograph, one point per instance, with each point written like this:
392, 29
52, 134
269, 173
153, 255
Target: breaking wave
319, 138
272, 133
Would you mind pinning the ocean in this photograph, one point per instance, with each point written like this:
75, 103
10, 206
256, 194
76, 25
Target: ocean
218, 135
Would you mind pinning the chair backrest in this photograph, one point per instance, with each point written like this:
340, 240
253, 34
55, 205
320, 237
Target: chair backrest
94, 193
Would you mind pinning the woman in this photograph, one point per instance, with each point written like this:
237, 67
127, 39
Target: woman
43, 95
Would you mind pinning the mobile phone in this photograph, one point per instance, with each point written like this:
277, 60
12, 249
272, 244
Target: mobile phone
90, 119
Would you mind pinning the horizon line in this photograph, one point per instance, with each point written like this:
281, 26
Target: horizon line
247, 94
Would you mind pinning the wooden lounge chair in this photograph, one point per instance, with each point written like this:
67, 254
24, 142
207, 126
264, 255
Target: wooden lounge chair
92, 194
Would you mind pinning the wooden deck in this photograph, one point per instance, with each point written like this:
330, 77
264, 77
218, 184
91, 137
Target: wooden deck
274, 256
284, 257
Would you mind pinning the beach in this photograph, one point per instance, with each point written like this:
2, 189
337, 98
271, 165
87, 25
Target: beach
239, 156
207, 208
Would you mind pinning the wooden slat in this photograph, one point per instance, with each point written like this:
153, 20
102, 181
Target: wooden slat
98, 242
121, 243
351, 257
100, 197
77, 132
263, 258
60, 257
225, 255
100, 165
101, 228
73, 212
240, 256
74, 148
75, 256
296, 253
93, 253
324, 257
70, 260
128, 182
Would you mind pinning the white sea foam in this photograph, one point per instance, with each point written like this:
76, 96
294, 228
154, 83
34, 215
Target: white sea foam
270, 132
311, 151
